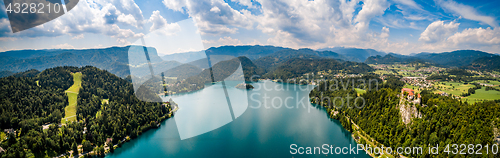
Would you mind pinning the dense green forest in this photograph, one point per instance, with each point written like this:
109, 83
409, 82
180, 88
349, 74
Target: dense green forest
113, 59
122, 115
486, 63
273, 60
445, 120
297, 67
459, 58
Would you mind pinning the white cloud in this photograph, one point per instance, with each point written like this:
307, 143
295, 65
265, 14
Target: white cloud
97, 17
8, 39
476, 36
409, 3
176, 5
213, 17
467, 12
215, 9
63, 46
438, 31
223, 41
127, 19
371, 9
384, 33
80, 36
160, 23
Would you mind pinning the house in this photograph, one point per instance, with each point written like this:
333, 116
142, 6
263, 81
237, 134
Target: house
109, 140
10, 130
410, 92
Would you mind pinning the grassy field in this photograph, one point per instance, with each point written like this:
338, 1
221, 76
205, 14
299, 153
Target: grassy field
482, 95
3, 136
456, 88
360, 91
383, 72
72, 92
459, 88
494, 83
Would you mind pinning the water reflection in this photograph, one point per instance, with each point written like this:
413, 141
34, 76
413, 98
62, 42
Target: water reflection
258, 132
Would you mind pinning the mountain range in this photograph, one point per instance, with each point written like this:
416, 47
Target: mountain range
262, 59
459, 58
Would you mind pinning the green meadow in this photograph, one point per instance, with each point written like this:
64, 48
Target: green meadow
482, 95
72, 93
455, 88
359, 91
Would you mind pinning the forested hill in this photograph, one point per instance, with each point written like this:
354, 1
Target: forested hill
251, 52
113, 59
445, 120
354, 54
391, 58
457, 58
277, 58
24, 101
297, 67
107, 107
486, 63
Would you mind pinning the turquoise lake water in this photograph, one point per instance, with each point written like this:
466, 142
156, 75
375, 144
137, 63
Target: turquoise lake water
276, 116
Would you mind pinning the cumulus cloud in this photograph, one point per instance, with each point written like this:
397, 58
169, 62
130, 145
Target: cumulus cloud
384, 33
409, 3
160, 23
213, 17
222, 41
467, 12
80, 36
63, 46
176, 5
371, 9
98, 17
438, 31
476, 36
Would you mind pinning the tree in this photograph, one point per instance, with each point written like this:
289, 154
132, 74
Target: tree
74, 147
111, 148
101, 150
86, 146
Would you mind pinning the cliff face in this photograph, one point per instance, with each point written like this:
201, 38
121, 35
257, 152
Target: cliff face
408, 110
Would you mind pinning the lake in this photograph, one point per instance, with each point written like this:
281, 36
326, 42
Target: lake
276, 116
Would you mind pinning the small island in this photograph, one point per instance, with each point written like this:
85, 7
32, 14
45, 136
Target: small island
244, 86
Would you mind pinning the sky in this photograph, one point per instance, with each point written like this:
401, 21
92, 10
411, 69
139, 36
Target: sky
175, 26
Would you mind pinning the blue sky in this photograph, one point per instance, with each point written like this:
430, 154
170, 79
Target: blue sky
173, 26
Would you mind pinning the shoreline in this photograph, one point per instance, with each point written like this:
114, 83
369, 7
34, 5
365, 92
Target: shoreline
361, 135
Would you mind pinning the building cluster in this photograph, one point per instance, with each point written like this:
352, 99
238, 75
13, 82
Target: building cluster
9, 131
416, 98
417, 81
486, 85
494, 75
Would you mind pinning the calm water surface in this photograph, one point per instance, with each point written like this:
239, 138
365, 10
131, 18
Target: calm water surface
266, 128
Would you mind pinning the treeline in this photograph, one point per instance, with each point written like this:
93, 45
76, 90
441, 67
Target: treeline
24, 101
472, 90
124, 115
445, 120
25, 106
458, 78
297, 67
